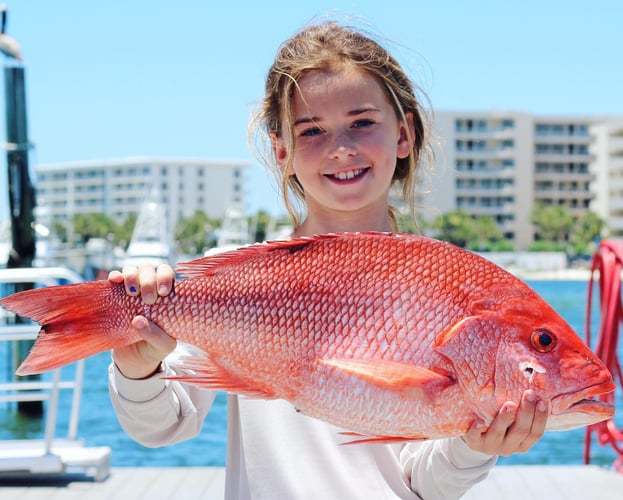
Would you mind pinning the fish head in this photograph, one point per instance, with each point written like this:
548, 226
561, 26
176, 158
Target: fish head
539, 350
522, 343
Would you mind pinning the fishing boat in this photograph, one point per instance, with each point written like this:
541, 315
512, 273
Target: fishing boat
233, 233
150, 242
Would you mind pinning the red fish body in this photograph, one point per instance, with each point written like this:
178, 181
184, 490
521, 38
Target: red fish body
390, 336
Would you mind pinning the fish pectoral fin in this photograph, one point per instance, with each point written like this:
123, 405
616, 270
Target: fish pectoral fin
453, 330
394, 375
363, 438
204, 372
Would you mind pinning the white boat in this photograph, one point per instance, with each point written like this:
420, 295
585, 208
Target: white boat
150, 242
233, 233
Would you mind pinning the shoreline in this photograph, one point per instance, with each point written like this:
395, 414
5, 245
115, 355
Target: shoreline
554, 275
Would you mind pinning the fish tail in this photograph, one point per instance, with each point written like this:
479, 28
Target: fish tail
77, 321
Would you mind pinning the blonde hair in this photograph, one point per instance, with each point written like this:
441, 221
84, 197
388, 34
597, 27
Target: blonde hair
329, 46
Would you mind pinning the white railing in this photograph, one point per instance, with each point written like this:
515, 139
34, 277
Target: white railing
26, 390
32, 456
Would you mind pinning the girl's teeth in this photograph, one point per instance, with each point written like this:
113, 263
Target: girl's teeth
351, 174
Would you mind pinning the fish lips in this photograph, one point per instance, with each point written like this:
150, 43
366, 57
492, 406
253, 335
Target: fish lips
580, 408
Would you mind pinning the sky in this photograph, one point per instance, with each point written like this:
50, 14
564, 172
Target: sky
127, 78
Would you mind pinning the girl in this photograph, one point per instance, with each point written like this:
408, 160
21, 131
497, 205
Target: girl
343, 126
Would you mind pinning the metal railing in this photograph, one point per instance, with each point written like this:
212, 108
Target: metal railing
40, 390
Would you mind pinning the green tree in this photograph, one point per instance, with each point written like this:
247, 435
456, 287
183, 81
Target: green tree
486, 234
94, 225
456, 226
60, 229
586, 229
553, 224
193, 233
260, 224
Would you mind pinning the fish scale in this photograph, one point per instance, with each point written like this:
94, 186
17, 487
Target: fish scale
390, 336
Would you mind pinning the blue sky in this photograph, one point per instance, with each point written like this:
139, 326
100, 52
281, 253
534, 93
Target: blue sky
178, 79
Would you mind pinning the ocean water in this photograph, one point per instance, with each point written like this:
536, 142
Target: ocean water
99, 427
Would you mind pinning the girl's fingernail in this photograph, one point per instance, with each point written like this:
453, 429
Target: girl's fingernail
140, 323
542, 407
163, 290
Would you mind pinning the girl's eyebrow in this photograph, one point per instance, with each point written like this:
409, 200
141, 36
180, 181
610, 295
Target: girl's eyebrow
353, 112
365, 109
310, 119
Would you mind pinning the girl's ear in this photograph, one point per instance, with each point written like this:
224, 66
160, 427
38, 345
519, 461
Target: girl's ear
406, 131
279, 149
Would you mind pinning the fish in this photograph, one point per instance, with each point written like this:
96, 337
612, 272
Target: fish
391, 337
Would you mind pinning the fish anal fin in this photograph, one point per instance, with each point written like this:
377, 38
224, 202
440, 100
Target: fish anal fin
395, 376
204, 372
365, 439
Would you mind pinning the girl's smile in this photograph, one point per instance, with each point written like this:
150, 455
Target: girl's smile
348, 175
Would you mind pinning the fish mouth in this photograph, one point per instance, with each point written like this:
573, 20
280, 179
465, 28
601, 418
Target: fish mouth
582, 407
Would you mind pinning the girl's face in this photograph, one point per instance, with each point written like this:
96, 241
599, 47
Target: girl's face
346, 139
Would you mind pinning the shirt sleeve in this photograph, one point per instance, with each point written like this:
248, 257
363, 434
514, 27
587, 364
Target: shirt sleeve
157, 412
444, 468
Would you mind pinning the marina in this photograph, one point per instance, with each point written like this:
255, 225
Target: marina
75, 448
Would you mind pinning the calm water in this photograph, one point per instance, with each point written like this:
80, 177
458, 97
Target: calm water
99, 426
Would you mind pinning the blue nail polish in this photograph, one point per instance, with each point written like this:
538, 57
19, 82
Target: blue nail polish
132, 289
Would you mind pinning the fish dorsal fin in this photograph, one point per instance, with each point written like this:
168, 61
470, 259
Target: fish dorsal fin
211, 265
394, 375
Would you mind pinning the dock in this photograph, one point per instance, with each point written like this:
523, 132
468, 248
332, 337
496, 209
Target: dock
513, 482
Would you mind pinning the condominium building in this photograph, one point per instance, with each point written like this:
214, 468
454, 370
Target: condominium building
608, 170
119, 187
502, 163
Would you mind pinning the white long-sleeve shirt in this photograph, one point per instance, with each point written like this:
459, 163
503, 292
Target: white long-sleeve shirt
273, 452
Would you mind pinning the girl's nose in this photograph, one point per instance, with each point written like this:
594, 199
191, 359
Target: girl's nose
342, 146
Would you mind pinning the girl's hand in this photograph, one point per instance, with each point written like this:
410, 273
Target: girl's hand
513, 430
142, 359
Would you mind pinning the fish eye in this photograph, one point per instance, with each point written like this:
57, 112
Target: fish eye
543, 340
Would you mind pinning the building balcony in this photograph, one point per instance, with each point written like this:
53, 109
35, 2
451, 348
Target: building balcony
615, 228
615, 204
615, 185
615, 145
615, 163
485, 154
563, 194
486, 173
485, 133
485, 193
563, 139
493, 211
564, 176
564, 157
